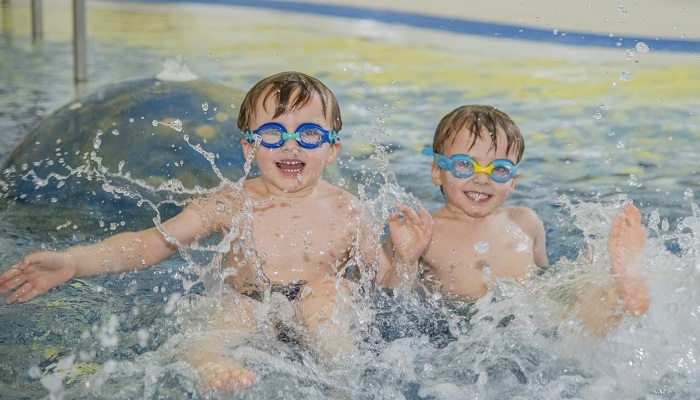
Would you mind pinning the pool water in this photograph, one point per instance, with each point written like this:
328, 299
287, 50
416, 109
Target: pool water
602, 127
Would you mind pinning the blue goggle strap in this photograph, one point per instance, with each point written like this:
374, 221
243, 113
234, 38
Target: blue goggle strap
438, 159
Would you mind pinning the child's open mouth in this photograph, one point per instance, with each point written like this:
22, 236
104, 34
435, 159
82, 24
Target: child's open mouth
291, 168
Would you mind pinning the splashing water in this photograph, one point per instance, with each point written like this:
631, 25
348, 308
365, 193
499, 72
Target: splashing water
513, 346
122, 337
176, 124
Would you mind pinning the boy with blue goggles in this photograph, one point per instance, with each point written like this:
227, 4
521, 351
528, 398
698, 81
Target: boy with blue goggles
462, 166
308, 136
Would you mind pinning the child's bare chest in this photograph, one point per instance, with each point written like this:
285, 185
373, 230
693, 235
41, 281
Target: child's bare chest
460, 250
301, 245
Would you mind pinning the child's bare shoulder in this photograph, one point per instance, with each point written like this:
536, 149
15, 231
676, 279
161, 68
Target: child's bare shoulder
524, 217
339, 196
217, 207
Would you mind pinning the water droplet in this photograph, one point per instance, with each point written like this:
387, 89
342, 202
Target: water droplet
632, 181
642, 47
625, 76
154, 123
205, 106
143, 336
620, 144
597, 115
688, 193
665, 226
481, 247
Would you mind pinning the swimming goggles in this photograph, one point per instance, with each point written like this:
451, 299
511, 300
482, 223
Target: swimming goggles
462, 166
309, 136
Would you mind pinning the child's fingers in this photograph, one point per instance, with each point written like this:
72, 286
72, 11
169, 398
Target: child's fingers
24, 293
407, 212
393, 218
29, 293
425, 216
11, 279
393, 221
421, 220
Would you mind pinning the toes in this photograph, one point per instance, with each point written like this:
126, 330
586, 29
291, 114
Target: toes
633, 214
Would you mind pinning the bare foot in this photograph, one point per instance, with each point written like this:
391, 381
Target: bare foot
224, 374
625, 246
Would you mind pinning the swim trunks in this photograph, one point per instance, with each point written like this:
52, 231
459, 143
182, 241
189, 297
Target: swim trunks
289, 290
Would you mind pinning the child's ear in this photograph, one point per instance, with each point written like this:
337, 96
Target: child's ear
435, 174
332, 152
247, 148
515, 180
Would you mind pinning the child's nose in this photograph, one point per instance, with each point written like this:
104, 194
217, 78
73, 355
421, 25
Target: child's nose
481, 178
290, 145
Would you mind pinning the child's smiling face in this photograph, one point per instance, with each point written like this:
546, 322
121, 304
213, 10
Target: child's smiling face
292, 170
477, 196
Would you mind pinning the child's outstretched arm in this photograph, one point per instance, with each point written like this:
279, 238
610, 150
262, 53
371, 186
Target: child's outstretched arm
408, 239
39, 272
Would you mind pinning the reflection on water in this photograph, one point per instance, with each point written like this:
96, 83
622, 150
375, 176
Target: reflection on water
598, 134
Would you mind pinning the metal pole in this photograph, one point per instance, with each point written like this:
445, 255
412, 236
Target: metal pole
37, 20
79, 41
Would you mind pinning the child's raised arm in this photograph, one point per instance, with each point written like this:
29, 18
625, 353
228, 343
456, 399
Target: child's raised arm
408, 239
38, 272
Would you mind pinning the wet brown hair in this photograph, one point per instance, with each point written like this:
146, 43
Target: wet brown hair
291, 90
475, 118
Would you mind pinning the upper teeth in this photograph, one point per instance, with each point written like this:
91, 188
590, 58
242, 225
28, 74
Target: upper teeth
477, 196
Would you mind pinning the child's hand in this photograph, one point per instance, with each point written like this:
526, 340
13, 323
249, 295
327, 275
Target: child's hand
410, 236
36, 274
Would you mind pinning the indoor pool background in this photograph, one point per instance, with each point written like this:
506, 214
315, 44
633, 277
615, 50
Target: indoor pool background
603, 125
